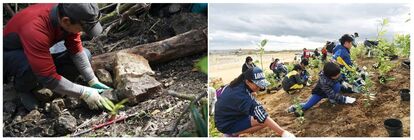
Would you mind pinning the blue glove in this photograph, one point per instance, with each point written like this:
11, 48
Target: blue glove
94, 83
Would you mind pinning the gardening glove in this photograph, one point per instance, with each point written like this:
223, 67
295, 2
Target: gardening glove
346, 85
96, 84
287, 134
349, 100
92, 97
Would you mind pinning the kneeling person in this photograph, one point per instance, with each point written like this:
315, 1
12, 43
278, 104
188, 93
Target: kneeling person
293, 79
237, 111
328, 87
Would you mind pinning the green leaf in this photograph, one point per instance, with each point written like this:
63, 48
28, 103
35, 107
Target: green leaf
385, 21
110, 103
106, 105
123, 101
202, 64
201, 126
264, 42
205, 111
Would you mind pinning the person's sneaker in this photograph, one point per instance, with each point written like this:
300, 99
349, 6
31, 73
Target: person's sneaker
291, 109
28, 100
230, 135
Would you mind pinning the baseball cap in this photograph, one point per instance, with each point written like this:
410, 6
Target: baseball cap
347, 37
87, 14
258, 78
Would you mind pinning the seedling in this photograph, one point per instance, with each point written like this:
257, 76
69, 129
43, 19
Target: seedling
298, 110
216, 83
261, 51
351, 75
403, 42
380, 29
114, 109
315, 63
274, 83
385, 66
202, 64
369, 96
200, 119
358, 52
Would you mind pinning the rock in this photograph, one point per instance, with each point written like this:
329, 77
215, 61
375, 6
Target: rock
32, 116
133, 78
37, 131
104, 76
47, 107
130, 65
138, 89
43, 94
9, 107
6, 116
9, 93
72, 102
57, 106
49, 132
111, 95
184, 22
65, 124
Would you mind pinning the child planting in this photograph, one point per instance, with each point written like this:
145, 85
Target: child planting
293, 79
237, 111
328, 86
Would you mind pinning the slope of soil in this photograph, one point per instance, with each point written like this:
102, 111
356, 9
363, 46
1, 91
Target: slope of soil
335, 120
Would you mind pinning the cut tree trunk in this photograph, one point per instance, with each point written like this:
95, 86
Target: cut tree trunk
188, 43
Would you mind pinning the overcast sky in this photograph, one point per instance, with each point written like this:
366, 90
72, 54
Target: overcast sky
295, 26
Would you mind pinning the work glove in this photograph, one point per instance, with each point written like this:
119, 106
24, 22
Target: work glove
94, 83
346, 85
287, 134
92, 97
349, 100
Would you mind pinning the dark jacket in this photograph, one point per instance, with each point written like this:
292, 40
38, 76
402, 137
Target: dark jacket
291, 79
324, 88
245, 67
236, 103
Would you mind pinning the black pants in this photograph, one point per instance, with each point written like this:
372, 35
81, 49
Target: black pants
16, 65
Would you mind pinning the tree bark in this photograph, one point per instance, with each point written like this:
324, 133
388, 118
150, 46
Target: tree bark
188, 43
9, 9
114, 14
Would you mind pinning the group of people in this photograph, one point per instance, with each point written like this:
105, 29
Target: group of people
237, 111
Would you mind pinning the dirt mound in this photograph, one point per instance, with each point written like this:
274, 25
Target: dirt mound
330, 120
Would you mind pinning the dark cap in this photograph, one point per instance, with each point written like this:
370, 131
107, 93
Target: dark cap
347, 38
87, 14
297, 67
257, 77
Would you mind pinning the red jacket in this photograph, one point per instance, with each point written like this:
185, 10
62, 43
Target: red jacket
36, 29
324, 51
306, 54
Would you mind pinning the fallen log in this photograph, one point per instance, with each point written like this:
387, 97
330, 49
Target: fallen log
114, 14
188, 43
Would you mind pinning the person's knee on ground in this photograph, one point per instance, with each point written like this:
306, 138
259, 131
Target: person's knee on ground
25, 80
